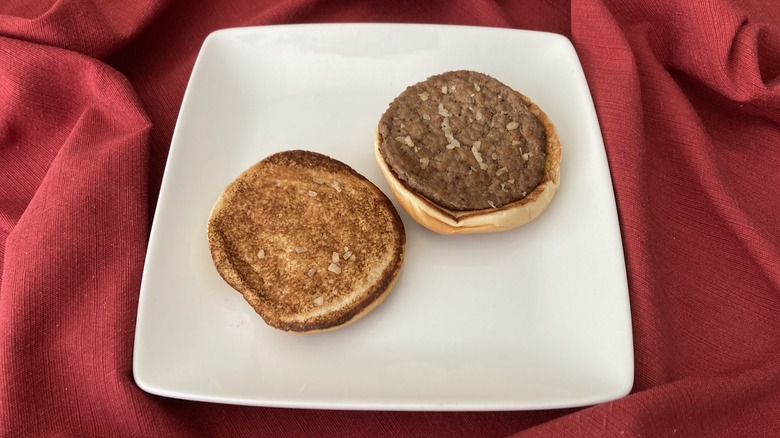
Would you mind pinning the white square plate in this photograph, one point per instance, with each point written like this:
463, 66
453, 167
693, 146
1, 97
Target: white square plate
532, 318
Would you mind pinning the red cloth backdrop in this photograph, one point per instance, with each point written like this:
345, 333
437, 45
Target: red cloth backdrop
688, 95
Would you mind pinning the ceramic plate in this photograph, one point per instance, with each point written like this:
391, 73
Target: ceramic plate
533, 318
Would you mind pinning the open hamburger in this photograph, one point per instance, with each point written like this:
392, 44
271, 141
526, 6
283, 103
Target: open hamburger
464, 153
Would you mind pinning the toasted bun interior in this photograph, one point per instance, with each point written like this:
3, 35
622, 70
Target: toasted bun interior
310, 243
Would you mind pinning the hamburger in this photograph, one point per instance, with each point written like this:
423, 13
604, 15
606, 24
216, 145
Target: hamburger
465, 153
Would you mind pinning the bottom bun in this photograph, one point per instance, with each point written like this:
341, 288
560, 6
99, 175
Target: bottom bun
446, 221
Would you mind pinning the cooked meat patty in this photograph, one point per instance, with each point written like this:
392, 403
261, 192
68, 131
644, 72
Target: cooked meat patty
465, 141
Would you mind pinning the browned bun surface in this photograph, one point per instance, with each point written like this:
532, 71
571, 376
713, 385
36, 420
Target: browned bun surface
310, 243
464, 153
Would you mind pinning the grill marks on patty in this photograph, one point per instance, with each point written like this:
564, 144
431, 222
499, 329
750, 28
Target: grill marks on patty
465, 141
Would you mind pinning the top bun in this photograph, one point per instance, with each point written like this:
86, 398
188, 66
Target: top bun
464, 153
310, 243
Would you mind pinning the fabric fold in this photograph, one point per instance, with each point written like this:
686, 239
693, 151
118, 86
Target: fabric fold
94, 28
73, 168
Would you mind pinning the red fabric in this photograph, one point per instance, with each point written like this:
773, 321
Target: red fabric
688, 96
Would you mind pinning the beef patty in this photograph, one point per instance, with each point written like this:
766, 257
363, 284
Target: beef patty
465, 141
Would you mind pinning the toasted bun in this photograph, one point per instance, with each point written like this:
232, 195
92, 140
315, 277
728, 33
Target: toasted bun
444, 220
311, 244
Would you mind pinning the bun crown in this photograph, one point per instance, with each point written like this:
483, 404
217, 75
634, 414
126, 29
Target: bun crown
311, 244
